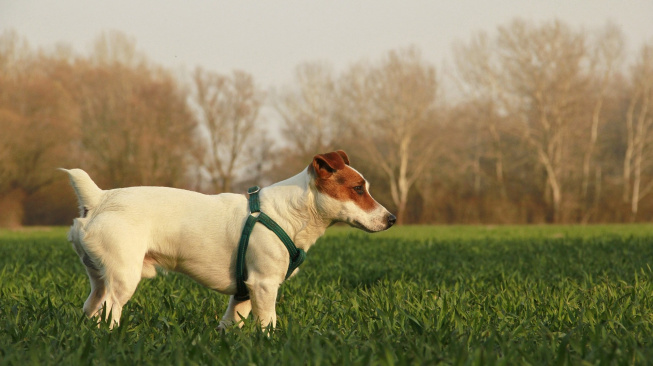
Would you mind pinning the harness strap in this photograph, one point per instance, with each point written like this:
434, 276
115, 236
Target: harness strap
297, 255
254, 204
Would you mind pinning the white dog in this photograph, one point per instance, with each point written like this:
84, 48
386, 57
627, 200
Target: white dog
123, 234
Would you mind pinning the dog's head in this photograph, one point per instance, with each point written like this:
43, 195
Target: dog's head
343, 196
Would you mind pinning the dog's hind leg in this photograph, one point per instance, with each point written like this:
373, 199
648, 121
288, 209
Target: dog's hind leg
96, 298
119, 292
236, 311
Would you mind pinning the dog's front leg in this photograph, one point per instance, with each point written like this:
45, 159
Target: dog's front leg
236, 311
264, 297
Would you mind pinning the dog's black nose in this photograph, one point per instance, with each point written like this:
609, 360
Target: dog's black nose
391, 220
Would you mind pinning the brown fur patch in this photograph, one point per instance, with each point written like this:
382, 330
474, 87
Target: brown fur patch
341, 186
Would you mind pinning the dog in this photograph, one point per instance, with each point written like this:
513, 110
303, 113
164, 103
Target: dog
124, 234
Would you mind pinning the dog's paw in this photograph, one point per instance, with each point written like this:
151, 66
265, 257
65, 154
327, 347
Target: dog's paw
225, 325
222, 328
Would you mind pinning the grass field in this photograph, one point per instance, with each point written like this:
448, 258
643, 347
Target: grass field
411, 295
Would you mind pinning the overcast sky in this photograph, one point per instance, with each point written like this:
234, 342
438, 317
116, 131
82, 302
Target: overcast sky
269, 38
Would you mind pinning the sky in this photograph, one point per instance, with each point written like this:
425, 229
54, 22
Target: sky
270, 38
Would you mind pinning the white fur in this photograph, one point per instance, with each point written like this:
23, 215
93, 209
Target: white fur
123, 234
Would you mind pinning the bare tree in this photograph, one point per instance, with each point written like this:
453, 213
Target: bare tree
483, 84
639, 120
36, 125
545, 69
307, 111
389, 110
227, 110
137, 128
606, 55
547, 85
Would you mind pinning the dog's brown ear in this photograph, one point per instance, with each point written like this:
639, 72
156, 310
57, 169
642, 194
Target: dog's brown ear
344, 156
326, 164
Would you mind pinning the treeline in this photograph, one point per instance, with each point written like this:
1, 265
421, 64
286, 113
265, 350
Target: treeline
543, 123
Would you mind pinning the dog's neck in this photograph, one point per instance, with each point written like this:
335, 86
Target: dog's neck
291, 203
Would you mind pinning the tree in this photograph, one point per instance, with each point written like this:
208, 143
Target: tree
227, 109
137, 128
36, 123
307, 111
545, 67
546, 85
639, 120
481, 81
389, 110
606, 54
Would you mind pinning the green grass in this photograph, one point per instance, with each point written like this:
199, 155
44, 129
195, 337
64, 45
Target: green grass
411, 295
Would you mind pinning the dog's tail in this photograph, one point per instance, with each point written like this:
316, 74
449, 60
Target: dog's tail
88, 193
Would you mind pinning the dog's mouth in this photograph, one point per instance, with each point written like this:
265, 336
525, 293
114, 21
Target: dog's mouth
357, 224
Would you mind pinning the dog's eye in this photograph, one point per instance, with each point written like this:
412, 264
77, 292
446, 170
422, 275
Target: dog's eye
359, 189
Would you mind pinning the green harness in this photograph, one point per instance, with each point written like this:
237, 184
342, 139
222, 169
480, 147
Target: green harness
297, 255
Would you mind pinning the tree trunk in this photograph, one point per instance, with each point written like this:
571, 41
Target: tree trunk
640, 141
552, 180
596, 113
630, 146
637, 176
